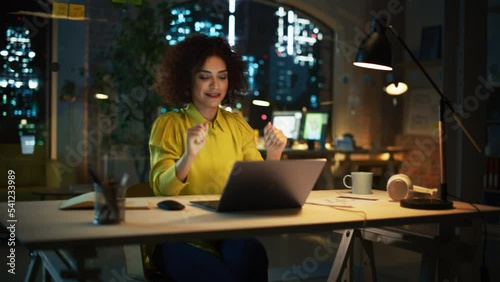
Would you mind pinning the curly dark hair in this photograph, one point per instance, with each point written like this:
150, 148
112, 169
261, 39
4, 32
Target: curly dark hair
183, 60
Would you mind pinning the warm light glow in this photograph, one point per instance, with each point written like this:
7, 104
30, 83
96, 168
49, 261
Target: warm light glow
372, 66
391, 89
261, 103
385, 156
101, 96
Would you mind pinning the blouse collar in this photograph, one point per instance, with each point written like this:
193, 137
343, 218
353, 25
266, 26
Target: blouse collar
194, 114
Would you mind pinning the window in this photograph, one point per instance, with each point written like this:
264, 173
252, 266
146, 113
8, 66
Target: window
22, 106
289, 54
106, 55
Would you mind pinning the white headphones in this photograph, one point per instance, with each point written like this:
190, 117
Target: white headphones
399, 187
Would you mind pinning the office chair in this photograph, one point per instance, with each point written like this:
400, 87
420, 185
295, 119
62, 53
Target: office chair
136, 259
140, 190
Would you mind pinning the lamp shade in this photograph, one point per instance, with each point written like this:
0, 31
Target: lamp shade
374, 51
396, 88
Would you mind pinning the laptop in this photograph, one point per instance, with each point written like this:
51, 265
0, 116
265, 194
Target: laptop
265, 185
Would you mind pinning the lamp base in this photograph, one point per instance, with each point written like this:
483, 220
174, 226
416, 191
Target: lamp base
426, 204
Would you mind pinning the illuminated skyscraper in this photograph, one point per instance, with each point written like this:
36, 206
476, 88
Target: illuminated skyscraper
193, 18
18, 81
294, 62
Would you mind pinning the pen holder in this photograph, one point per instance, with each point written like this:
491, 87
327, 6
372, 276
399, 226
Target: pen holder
109, 205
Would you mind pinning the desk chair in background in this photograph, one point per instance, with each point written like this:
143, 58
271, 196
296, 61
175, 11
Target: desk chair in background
140, 190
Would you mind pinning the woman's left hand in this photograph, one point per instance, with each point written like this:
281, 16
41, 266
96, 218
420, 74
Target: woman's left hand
275, 142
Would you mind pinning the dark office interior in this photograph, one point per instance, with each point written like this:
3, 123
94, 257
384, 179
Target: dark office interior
77, 81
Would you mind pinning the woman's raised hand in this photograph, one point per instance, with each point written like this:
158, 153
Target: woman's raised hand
196, 137
275, 142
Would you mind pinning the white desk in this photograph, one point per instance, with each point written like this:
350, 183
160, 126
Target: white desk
42, 226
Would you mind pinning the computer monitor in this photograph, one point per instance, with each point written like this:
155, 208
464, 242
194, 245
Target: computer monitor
315, 124
288, 122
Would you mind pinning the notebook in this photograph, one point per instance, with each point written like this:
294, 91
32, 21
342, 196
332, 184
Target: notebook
263, 185
86, 201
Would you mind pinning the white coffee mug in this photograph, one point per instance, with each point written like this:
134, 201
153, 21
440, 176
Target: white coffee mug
361, 182
399, 186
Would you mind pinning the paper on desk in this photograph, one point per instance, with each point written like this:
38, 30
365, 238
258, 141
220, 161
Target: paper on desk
345, 202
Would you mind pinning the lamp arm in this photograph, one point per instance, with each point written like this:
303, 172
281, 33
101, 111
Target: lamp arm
444, 99
458, 119
419, 66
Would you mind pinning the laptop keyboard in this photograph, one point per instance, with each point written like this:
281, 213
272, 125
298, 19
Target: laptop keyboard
206, 204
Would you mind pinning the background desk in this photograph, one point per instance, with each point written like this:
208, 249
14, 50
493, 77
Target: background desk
382, 162
56, 193
42, 226
337, 166
63, 192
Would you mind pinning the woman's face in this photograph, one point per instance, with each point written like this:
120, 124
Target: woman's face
210, 84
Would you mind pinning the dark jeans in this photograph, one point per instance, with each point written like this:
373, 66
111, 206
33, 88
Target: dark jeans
242, 260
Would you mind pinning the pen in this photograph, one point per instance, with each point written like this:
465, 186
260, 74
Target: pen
332, 205
356, 198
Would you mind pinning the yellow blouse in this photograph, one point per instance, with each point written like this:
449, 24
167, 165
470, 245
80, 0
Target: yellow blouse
230, 139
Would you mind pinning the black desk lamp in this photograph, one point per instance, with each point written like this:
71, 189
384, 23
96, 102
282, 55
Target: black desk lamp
375, 53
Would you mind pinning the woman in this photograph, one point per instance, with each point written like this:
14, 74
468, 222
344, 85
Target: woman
193, 150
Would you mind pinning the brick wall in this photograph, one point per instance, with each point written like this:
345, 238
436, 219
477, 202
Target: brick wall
368, 113
421, 161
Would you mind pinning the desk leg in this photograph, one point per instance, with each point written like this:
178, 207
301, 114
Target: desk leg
428, 267
341, 258
33, 268
345, 257
78, 269
449, 254
59, 265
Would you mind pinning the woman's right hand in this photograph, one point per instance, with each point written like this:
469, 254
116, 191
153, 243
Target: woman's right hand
195, 138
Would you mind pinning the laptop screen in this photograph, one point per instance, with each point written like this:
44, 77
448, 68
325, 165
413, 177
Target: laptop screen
260, 185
